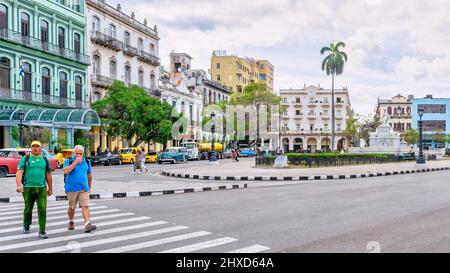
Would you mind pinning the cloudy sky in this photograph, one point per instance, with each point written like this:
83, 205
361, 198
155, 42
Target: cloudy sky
393, 46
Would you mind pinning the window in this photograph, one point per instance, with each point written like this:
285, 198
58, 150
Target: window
77, 5
78, 88
5, 73
112, 69
25, 24
140, 44
338, 126
44, 31
26, 87
261, 66
298, 126
45, 82
311, 127
112, 31
77, 43
434, 125
3, 16
152, 80
141, 78
95, 24
339, 100
297, 112
262, 77
389, 110
174, 103
325, 111
96, 96
127, 74
191, 114
127, 38
297, 100
433, 108
152, 48
218, 78
96, 64
63, 86
61, 37
217, 65
311, 112
285, 100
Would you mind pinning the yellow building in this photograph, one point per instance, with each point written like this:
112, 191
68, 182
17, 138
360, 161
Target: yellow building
236, 72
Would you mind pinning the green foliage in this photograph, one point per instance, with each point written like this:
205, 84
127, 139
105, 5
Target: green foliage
130, 112
353, 128
367, 126
31, 133
333, 63
439, 137
411, 136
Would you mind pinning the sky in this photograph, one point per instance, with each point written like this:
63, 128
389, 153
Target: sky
394, 47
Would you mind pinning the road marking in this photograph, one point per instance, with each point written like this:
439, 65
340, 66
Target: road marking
113, 240
64, 229
155, 242
77, 236
58, 217
35, 207
200, 246
49, 204
19, 229
250, 249
20, 213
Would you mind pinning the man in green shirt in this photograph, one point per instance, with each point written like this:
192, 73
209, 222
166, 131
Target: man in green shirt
32, 174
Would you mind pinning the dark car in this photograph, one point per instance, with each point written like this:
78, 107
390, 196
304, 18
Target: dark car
107, 158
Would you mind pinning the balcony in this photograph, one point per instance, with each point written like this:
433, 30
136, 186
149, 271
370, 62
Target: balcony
339, 104
43, 99
325, 117
34, 43
130, 51
297, 104
312, 116
106, 41
326, 104
285, 103
153, 92
284, 116
297, 117
312, 104
148, 58
101, 81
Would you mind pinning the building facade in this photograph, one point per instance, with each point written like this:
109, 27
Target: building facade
236, 72
306, 122
398, 109
436, 119
123, 49
43, 61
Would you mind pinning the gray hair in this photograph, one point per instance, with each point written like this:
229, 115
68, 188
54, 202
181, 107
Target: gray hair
78, 147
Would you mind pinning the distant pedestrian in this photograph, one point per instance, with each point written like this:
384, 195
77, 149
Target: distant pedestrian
137, 162
143, 155
33, 172
116, 149
77, 184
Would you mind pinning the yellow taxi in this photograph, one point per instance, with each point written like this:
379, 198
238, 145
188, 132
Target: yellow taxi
151, 157
65, 153
128, 155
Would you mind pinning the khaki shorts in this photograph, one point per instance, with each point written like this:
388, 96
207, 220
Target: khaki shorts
81, 197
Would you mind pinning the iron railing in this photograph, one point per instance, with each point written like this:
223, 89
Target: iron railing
147, 57
106, 40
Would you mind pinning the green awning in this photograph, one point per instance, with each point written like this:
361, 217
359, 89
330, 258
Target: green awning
56, 118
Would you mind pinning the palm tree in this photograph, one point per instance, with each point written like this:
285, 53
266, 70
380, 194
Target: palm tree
333, 64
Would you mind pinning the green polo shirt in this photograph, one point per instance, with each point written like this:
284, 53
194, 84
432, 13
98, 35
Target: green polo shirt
34, 176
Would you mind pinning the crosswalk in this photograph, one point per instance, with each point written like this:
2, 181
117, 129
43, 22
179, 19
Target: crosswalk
118, 231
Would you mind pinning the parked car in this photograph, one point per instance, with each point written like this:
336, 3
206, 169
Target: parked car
128, 155
107, 159
247, 153
173, 155
151, 157
227, 153
9, 159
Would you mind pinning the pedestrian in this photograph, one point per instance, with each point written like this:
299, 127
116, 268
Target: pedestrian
77, 184
34, 181
137, 162
116, 149
233, 155
143, 154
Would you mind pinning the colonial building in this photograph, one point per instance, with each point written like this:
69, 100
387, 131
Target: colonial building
121, 48
43, 67
398, 109
213, 92
306, 122
236, 72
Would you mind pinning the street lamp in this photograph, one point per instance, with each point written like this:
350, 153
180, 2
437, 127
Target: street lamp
21, 117
213, 157
421, 158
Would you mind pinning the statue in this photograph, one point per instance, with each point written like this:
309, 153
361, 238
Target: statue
385, 118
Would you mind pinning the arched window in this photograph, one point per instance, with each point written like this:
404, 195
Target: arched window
112, 30
77, 5
5, 74
27, 86
127, 74
44, 32
140, 44
408, 110
141, 77
389, 110
63, 87
152, 48
45, 83
96, 64
25, 24
126, 38
112, 69
77, 43
95, 24
3, 17
152, 80
96, 96
78, 88
61, 38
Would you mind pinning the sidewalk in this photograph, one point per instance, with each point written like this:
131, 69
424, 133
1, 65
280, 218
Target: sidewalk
245, 170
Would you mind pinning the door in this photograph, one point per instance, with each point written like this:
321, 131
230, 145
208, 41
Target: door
44, 34
5, 77
45, 82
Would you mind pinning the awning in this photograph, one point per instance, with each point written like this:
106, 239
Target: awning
56, 118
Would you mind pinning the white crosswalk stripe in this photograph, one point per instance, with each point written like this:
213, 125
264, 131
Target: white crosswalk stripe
49, 204
115, 234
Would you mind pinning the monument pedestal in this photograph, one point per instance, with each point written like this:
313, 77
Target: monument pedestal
281, 162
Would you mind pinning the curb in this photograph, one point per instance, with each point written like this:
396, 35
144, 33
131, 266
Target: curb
298, 178
117, 195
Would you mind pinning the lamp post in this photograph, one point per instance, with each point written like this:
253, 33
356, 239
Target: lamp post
213, 157
21, 117
421, 158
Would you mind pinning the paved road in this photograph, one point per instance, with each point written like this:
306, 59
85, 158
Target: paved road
408, 213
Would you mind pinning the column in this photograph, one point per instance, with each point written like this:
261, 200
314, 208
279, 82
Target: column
103, 140
69, 137
15, 17
291, 144
53, 138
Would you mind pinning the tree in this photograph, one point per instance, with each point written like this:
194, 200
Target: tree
31, 133
353, 129
130, 113
439, 137
411, 136
367, 126
333, 64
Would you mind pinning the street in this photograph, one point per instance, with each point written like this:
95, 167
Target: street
406, 213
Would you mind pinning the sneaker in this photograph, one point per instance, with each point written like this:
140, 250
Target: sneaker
43, 235
26, 229
71, 225
89, 227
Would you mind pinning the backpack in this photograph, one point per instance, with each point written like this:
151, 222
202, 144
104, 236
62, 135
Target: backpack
27, 161
70, 163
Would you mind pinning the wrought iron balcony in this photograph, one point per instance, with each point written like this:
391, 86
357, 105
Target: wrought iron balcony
130, 50
153, 92
106, 40
148, 58
31, 42
101, 81
39, 98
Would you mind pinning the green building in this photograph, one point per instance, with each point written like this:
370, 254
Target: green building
43, 67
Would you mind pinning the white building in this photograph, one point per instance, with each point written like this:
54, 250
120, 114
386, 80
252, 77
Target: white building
306, 123
398, 109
